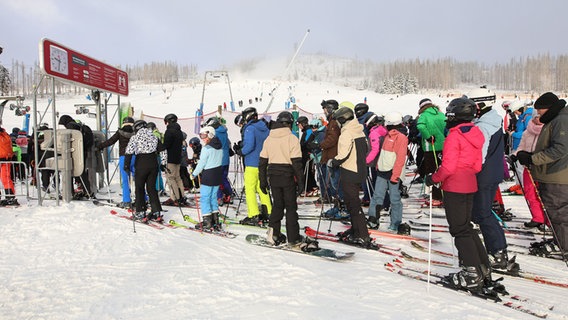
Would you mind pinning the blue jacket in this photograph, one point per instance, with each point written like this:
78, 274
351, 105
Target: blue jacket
221, 133
210, 162
493, 150
255, 132
522, 123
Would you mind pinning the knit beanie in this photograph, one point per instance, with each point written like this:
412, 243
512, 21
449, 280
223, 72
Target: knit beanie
424, 102
545, 101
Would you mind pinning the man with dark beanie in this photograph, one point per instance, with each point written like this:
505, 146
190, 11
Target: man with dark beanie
549, 168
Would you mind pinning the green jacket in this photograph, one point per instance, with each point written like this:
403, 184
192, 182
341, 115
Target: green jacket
550, 156
432, 122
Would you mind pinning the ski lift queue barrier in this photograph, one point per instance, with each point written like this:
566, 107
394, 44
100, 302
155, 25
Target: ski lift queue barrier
16, 175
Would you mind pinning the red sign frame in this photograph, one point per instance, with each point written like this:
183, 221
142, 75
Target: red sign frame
61, 62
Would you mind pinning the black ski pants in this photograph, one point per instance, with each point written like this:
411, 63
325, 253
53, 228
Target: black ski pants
284, 198
471, 251
145, 174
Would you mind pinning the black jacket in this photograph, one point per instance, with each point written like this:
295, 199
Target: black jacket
173, 139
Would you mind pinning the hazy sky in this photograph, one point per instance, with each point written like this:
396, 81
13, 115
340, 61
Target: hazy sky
213, 33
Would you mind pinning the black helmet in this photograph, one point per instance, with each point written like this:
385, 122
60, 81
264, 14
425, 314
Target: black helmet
372, 120
361, 109
128, 120
151, 126
139, 124
461, 110
303, 120
194, 141
330, 105
285, 118
212, 122
343, 114
238, 119
170, 118
248, 114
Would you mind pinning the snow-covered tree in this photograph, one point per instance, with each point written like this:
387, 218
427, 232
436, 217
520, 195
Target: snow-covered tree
5, 82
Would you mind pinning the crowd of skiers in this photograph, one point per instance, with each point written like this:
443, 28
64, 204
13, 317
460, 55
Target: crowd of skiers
463, 153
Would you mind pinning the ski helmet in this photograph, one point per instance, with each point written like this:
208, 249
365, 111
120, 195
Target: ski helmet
461, 110
303, 120
207, 132
128, 120
238, 120
372, 120
343, 114
517, 105
393, 118
285, 118
406, 119
361, 109
212, 122
194, 141
248, 114
330, 105
315, 123
139, 124
170, 118
151, 126
482, 96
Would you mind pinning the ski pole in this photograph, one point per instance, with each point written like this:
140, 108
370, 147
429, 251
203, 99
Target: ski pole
429, 241
197, 205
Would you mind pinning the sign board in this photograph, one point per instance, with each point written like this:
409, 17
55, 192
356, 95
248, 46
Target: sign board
61, 62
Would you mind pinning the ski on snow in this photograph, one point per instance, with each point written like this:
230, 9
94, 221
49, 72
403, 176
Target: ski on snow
328, 254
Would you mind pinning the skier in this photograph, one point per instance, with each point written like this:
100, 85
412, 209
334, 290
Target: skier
457, 174
210, 167
280, 169
377, 132
173, 139
225, 193
255, 132
431, 124
390, 170
161, 159
196, 147
311, 188
143, 146
351, 152
329, 146
6, 154
488, 179
549, 167
122, 135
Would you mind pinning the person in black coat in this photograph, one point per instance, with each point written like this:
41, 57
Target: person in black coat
173, 141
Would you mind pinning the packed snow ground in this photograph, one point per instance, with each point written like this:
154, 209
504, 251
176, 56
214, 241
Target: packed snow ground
77, 261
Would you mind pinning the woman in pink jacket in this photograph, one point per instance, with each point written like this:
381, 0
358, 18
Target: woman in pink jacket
528, 142
457, 176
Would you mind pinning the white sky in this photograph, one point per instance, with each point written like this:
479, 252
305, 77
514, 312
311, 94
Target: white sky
216, 33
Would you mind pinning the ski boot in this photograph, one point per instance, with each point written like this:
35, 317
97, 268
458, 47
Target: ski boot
544, 248
206, 223
403, 229
373, 223
273, 238
215, 218
492, 285
309, 245
156, 216
500, 260
532, 224
250, 221
140, 216
469, 279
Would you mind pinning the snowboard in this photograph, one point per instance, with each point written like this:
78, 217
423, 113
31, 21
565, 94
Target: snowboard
321, 253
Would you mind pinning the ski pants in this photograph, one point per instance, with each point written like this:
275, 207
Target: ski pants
125, 176
5, 177
146, 171
493, 234
285, 199
430, 164
530, 193
381, 187
225, 188
173, 178
252, 187
471, 251
353, 204
555, 199
208, 199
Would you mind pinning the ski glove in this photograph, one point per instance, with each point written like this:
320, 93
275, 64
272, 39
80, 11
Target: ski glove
525, 158
432, 139
264, 188
428, 181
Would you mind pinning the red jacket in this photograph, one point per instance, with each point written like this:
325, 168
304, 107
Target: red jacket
462, 159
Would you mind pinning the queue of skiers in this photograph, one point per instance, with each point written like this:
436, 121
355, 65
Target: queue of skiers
355, 161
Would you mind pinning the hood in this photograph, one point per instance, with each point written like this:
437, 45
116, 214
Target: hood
280, 132
534, 128
352, 126
220, 130
259, 125
489, 122
215, 143
469, 132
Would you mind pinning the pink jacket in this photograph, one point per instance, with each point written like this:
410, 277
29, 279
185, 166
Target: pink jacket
375, 135
393, 154
528, 140
461, 159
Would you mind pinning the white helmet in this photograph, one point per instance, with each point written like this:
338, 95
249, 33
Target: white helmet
516, 105
484, 95
393, 118
207, 132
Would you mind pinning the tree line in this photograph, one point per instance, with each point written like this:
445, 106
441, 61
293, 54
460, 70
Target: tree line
532, 74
